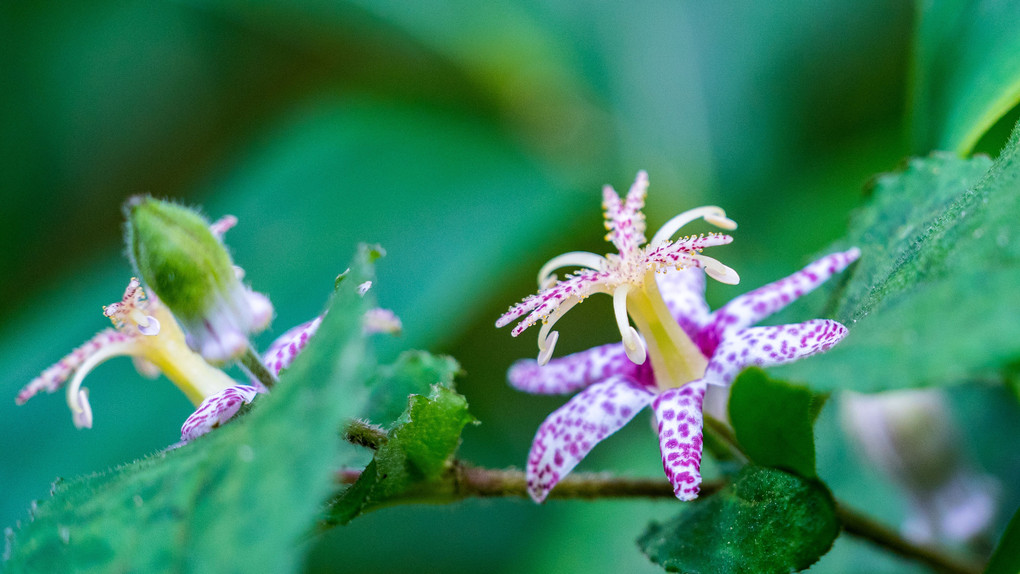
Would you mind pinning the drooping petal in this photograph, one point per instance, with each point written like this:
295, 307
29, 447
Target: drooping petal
53, 378
679, 417
751, 307
684, 293
569, 433
767, 346
624, 219
573, 372
542, 304
216, 410
287, 346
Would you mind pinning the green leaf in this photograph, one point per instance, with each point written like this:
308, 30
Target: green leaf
414, 460
1006, 558
966, 71
932, 300
423, 440
413, 373
774, 421
765, 521
189, 509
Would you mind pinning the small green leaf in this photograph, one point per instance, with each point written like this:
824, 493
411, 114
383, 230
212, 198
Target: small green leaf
191, 508
966, 71
774, 421
413, 373
415, 458
1006, 558
765, 521
422, 441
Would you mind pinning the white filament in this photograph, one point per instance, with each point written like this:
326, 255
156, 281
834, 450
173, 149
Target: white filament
546, 337
710, 213
546, 277
77, 398
632, 343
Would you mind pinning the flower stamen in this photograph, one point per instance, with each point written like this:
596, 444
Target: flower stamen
710, 213
546, 277
546, 337
632, 344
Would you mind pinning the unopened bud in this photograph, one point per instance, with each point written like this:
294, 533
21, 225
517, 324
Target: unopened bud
189, 269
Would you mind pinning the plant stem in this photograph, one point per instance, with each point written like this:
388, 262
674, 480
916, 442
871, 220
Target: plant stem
857, 524
477, 482
474, 481
252, 364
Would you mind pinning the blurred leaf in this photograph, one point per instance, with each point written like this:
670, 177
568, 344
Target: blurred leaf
1006, 558
966, 71
245, 483
416, 456
765, 521
413, 373
932, 300
774, 421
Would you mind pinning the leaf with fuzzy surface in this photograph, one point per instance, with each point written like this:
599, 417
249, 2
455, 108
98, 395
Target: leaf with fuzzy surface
932, 300
243, 486
765, 521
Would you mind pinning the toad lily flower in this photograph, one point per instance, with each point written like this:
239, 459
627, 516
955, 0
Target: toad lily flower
145, 330
661, 287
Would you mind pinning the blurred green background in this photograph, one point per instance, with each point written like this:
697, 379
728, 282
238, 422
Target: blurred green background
471, 140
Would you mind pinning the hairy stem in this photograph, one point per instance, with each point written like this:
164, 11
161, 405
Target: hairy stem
252, 364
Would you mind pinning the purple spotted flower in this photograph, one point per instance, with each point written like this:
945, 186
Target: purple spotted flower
145, 330
661, 287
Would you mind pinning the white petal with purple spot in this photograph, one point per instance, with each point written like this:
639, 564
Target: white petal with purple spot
570, 432
573, 372
216, 410
768, 346
679, 418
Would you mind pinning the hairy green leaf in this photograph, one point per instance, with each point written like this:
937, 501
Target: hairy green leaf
966, 71
765, 521
413, 373
256, 484
774, 421
932, 300
415, 458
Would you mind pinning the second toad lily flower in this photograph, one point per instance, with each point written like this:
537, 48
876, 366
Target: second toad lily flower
145, 330
661, 287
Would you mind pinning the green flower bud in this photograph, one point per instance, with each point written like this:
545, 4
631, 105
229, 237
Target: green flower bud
184, 262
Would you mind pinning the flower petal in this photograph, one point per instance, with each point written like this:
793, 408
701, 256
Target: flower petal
679, 416
216, 410
767, 346
287, 346
573, 372
570, 432
684, 293
751, 307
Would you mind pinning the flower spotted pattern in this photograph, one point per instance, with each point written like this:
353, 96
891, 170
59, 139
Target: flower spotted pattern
689, 346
